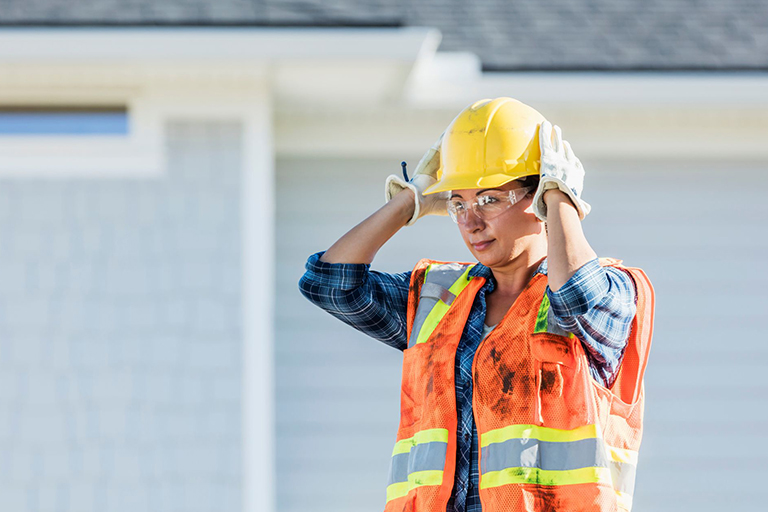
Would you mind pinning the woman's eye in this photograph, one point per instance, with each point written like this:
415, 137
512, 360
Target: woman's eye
457, 206
483, 200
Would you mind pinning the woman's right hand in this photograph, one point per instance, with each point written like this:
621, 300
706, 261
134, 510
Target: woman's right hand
425, 175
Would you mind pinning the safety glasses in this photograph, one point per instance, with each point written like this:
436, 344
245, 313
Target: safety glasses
487, 205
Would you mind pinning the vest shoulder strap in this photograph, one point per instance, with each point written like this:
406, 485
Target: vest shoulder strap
442, 283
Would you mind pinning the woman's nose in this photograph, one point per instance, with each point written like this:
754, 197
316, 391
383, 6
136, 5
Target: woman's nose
471, 221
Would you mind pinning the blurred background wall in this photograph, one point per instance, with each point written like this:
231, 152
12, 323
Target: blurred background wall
121, 339
155, 353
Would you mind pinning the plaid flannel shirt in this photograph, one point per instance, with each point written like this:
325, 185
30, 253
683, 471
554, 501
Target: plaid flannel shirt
597, 304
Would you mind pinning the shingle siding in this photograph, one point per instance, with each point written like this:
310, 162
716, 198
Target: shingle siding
519, 35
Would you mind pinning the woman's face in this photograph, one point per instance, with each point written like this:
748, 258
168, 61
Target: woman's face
498, 241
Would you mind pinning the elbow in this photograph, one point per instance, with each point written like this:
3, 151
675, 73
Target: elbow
307, 287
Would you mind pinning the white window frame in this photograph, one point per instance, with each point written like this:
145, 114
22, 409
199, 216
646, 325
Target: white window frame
138, 154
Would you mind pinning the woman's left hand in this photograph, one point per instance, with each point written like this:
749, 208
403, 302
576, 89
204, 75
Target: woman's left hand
560, 169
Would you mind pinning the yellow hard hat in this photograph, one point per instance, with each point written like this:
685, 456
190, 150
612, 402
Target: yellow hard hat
490, 143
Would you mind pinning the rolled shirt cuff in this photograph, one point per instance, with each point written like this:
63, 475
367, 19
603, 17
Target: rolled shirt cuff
585, 288
344, 276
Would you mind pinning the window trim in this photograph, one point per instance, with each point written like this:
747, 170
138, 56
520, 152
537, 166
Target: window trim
138, 154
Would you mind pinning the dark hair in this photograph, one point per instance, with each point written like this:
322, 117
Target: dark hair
529, 181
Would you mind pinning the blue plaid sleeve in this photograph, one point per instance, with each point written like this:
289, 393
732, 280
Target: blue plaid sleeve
597, 304
375, 303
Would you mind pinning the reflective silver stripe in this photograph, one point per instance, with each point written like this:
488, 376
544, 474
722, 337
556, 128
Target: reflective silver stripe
445, 274
435, 287
422, 312
547, 455
435, 291
422, 457
553, 327
398, 468
623, 476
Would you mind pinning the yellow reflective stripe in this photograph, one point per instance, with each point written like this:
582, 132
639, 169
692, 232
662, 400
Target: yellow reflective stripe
431, 435
415, 479
403, 446
538, 432
621, 455
545, 477
430, 323
397, 490
541, 317
423, 436
624, 501
441, 308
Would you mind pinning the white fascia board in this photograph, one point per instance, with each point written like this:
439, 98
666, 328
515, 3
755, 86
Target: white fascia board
308, 66
595, 88
216, 45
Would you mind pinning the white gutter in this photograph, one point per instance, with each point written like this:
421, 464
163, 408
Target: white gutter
216, 45
455, 79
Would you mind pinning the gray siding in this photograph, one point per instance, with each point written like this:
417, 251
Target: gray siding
120, 335
697, 238
702, 242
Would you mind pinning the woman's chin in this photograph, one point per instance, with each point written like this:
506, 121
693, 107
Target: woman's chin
489, 260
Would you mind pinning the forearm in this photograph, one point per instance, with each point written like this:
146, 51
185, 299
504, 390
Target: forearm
374, 303
361, 243
568, 248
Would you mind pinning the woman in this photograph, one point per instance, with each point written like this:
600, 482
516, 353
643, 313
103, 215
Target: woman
522, 374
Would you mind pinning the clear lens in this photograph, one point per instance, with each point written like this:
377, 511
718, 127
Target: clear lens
456, 209
486, 206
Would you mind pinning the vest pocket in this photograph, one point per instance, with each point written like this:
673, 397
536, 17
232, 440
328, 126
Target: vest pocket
551, 379
554, 366
552, 353
551, 348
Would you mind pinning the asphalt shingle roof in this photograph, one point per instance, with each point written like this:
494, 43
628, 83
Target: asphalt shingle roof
507, 35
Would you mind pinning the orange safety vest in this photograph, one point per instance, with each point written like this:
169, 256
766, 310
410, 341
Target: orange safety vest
551, 437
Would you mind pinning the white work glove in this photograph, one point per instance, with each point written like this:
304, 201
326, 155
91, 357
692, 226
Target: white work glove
559, 169
425, 175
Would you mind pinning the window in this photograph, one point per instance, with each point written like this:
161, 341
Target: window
61, 137
63, 120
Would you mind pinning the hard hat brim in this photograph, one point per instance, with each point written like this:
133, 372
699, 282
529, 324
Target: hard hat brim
461, 182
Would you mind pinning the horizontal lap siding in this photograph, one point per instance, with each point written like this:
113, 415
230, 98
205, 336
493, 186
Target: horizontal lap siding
699, 235
120, 335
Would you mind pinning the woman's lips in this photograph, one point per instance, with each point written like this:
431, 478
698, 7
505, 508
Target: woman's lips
480, 246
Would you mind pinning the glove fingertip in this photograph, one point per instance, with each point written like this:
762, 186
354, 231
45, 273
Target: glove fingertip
558, 142
545, 134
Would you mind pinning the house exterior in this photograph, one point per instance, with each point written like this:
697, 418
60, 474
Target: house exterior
155, 353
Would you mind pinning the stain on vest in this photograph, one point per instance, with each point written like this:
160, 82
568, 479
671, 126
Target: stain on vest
547, 499
513, 381
435, 367
551, 379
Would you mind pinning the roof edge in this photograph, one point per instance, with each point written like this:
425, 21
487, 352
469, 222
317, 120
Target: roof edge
623, 69
320, 24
